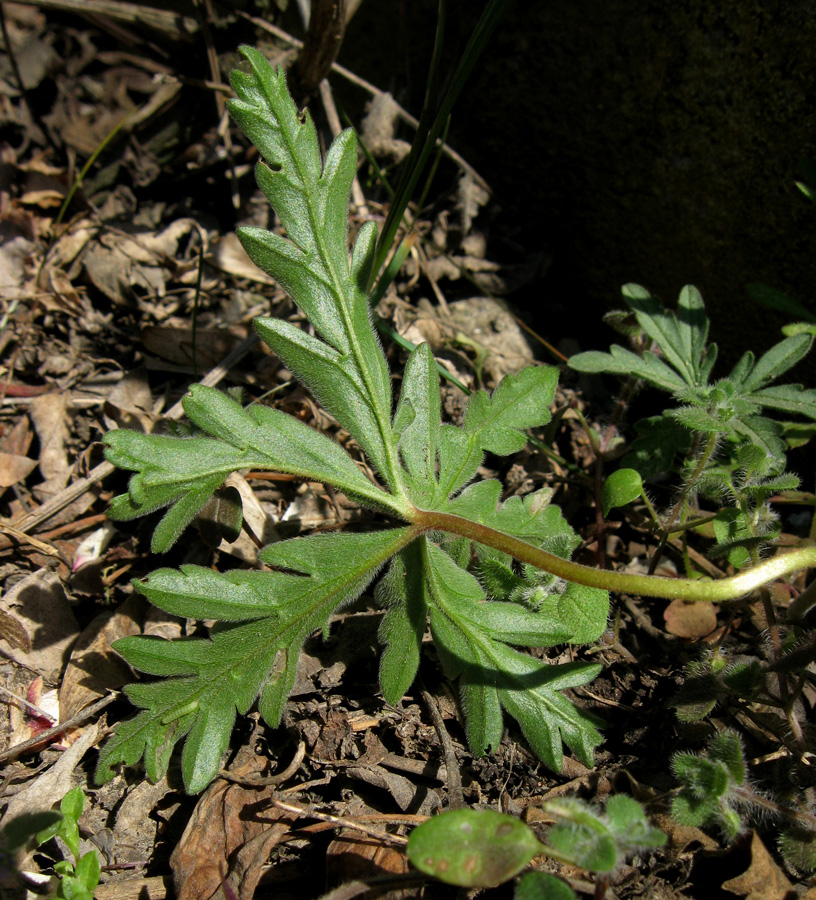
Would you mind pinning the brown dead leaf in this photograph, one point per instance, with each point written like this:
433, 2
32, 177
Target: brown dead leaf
54, 783
692, 621
15, 253
135, 827
763, 879
13, 633
49, 416
71, 244
39, 603
353, 856
256, 520
229, 256
66, 296
175, 345
18, 440
119, 262
130, 403
94, 668
379, 128
14, 468
406, 794
682, 838
232, 830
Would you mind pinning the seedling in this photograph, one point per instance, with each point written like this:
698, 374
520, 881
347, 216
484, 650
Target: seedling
451, 531
77, 880
483, 848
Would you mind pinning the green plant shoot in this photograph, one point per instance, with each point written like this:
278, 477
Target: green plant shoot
499, 584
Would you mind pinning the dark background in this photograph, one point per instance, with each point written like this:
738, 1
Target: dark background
637, 141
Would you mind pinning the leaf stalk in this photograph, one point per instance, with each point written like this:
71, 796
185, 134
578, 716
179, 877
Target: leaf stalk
696, 590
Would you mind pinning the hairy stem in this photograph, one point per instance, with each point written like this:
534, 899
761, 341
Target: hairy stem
701, 590
679, 506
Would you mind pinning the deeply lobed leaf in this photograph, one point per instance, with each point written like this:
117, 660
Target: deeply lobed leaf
472, 639
215, 679
262, 617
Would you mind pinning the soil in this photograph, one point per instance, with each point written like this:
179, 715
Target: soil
122, 282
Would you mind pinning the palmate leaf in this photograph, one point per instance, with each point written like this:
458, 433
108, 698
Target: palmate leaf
261, 618
209, 681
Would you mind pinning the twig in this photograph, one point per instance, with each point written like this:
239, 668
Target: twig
36, 743
134, 13
340, 822
37, 709
456, 799
272, 780
41, 546
325, 29
79, 487
205, 11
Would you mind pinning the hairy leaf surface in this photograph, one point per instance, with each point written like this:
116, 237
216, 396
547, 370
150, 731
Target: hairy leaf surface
216, 678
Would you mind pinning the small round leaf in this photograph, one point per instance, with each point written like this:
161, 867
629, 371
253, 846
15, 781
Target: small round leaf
620, 488
472, 848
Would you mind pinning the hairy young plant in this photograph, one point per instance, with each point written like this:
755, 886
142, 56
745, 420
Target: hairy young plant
423, 471
715, 792
731, 451
483, 848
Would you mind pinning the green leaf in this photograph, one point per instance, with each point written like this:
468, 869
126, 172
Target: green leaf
542, 886
332, 380
495, 675
777, 360
575, 612
601, 841
708, 784
681, 337
763, 433
402, 591
313, 264
215, 679
620, 361
791, 398
472, 848
773, 298
726, 747
630, 826
187, 471
693, 327
621, 488
531, 518
416, 423
795, 328
660, 440
495, 423
731, 531
583, 611
581, 835
88, 870
17, 832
